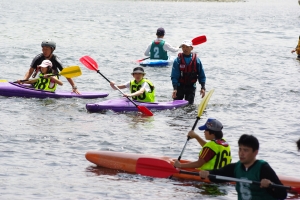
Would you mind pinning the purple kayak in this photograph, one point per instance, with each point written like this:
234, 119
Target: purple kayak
10, 89
123, 104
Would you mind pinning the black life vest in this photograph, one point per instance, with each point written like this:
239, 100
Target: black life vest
188, 73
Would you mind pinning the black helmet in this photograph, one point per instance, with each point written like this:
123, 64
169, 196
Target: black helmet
49, 43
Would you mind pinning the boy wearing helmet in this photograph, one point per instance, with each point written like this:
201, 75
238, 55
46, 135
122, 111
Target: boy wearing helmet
45, 81
215, 153
141, 89
48, 47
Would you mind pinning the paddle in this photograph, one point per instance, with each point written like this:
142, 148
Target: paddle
201, 108
162, 169
68, 72
91, 64
196, 41
142, 59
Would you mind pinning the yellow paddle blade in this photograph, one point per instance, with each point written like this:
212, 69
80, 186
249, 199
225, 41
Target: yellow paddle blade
3, 80
71, 71
204, 102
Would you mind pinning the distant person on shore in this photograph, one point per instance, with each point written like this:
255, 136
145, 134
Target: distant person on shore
298, 144
187, 69
215, 153
297, 49
141, 88
158, 49
45, 81
248, 167
48, 48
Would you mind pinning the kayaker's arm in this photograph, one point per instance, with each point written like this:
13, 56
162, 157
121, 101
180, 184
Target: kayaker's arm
267, 173
192, 134
74, 87
195, 164
28, 73
112, 85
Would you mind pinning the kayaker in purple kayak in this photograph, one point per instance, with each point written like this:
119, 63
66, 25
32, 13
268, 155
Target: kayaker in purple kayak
141, 88
48, 47
46, 80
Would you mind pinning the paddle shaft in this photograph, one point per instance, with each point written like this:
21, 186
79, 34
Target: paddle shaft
225, 178
188, 138
116, 87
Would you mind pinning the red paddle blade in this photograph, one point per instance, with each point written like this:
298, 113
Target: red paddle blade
145, 110
199, 40
89, 62
155, 168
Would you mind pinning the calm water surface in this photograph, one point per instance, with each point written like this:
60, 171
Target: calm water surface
247, 61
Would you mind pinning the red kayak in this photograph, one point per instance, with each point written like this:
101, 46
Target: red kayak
129, 162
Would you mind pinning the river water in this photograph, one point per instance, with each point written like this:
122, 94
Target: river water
247, 60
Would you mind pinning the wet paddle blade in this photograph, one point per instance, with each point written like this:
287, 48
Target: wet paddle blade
199, 40
89, 62
145, 110
70, 72
2, 81
155, 168
204, 102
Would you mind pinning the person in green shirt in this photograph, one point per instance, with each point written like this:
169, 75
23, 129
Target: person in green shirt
248, 167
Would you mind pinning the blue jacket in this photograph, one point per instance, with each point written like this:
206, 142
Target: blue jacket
175, 74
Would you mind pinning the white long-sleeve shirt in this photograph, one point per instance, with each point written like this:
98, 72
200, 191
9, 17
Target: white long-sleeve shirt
166, 47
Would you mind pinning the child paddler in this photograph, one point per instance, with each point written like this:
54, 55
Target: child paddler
141, 88
215, 153
297, 49
45, 81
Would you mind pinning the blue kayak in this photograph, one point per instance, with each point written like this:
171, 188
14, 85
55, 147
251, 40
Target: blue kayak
155, 63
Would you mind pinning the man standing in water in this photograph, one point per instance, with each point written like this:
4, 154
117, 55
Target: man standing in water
249, 168
187, 69
158, 48
48, 47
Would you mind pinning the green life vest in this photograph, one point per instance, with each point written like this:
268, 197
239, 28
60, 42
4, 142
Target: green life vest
45, 84
250, 191
222, 157
157, 51
146, 96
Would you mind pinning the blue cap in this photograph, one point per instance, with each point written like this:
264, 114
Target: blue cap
212, 124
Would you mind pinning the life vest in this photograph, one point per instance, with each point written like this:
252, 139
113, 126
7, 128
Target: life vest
247, 190
45, 84
188, 73
222, 157
157, 50
146, 96
298, 47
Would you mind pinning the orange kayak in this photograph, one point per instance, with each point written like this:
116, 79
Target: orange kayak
128, 161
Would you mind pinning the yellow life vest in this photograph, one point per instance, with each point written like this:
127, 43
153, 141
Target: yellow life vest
298, 47
222, 157
45, 84
146, 96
